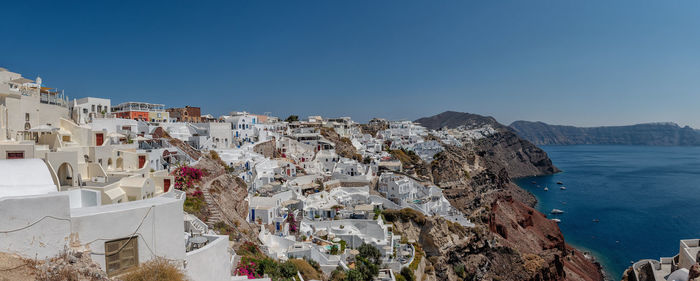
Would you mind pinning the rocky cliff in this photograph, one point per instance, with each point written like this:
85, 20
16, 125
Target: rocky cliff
661, 134
519, 157
453, 119
511, 240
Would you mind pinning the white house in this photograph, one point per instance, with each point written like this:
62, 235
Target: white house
40, 222
84, 110
27, 104
243, 126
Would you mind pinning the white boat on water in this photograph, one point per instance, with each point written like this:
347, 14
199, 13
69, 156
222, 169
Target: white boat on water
556, 211
556, 220
563, 188
546, 189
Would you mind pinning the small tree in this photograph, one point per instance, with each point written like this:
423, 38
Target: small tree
338, 274
288, 269
292, 118
370, 253
407, 274
354, 275
366, 268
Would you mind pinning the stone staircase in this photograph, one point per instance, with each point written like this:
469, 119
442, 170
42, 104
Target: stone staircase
214, 210
215, 213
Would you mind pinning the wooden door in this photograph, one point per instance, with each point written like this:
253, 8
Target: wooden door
99, 139
121, 255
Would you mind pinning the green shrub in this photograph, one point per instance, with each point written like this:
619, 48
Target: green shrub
370, 253
417, 258
460, 270
407, 274
343, 245
196, 206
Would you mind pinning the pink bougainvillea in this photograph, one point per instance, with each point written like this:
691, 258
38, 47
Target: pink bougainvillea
292, 223
196, 193
186, 177
247, 268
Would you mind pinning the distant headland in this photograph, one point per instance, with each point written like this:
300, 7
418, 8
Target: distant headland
657, 134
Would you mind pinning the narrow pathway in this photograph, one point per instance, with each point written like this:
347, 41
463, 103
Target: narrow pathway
214, 210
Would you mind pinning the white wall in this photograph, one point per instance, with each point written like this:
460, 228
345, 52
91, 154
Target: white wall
211, 262
97, 225
84, 198
45, 238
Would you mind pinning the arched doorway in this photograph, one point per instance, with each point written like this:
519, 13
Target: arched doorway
120, 163
65, 174
109, 164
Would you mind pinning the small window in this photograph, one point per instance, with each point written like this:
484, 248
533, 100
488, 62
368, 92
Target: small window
121, 255
15, 155
26, 117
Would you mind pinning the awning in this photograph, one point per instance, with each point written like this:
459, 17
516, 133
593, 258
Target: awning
116, 135
42, 129
115, 193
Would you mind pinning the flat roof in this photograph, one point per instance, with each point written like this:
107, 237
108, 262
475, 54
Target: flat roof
87, 211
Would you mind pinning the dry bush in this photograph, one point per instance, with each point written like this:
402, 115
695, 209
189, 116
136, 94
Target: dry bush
154, 270
405, 215
533, 263
306, 270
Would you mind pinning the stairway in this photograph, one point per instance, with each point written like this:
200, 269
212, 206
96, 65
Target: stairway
215, 213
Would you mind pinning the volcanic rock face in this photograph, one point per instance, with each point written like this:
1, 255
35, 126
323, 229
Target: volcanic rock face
343, 146
511, 240
452, 119
519, 157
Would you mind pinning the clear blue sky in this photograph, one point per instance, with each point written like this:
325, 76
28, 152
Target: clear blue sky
562, 62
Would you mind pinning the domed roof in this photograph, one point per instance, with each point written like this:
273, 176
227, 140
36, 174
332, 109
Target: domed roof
22, 177
679, 275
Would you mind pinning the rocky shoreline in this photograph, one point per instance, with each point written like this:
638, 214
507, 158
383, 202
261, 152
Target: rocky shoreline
516, 241
585, 252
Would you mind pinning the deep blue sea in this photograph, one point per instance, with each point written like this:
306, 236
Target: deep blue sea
647, 198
